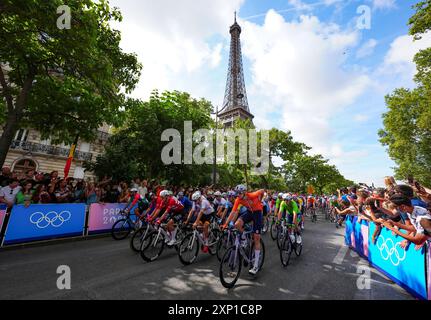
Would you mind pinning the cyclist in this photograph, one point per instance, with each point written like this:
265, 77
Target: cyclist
173, 213
228, 206
136, 198
311, 202
219, 202
293, 212
204, 216
253, 202
277, 203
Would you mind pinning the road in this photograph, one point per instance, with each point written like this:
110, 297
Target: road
106, 269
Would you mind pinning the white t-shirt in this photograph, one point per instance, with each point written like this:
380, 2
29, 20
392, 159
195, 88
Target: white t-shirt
142, 191
206, 206
416, 216
221, 202
9, 194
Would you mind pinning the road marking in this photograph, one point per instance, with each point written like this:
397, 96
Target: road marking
340, 255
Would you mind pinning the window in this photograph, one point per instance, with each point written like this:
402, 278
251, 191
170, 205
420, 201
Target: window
24, 165
84, 147
21, 135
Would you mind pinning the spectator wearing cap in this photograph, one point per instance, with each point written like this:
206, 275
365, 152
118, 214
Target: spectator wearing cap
9, 192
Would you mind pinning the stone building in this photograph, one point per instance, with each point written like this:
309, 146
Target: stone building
28, 151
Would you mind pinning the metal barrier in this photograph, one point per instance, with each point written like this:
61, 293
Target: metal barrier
407, 267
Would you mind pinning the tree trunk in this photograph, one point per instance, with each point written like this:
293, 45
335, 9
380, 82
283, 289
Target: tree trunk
14, 115
7, 136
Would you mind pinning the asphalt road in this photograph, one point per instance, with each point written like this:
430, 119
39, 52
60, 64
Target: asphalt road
106, 269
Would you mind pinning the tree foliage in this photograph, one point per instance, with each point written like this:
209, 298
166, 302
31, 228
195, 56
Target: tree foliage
62, 82
407, 123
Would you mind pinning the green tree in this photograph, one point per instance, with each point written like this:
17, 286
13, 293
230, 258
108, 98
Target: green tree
62, 82
135, 149
407, 123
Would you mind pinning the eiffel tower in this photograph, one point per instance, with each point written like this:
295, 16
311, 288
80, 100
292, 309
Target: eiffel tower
235, 104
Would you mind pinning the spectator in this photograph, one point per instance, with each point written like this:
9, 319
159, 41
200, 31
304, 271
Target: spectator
5, 175
143, 190
25, 195
8, 193
62, 193
419, 217
91, 194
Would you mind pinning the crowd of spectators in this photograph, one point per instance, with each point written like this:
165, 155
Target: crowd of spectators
33, 187
40, 188
396, 207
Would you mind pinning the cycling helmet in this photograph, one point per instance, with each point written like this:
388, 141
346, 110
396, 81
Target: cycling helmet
224, 194
133, 190
231, 193
164, 193
285, 196
217, 194
196, 195
280, 195
180, 194
240, 188
274, 197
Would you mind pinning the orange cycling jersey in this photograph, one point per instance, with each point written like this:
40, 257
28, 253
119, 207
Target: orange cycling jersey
252, 201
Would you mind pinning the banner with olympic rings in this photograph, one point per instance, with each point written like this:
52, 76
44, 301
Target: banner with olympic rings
45, 221
103, 216
405, 266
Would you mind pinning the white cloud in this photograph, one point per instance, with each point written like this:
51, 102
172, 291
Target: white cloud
360, 117
300, 67
299, 5
367, 49
383, 4
399, 58
171, 40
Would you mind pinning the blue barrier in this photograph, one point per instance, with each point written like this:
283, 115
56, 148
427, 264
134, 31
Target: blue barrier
406, 267
45, 221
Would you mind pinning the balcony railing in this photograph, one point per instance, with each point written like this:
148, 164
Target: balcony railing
48, 149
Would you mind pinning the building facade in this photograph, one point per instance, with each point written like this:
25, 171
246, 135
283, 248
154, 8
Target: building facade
29, 151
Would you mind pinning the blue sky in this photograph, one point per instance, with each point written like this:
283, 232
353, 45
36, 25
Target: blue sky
308, 68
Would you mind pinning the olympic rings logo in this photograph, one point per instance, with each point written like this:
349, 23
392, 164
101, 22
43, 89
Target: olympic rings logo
388, 250
51, 218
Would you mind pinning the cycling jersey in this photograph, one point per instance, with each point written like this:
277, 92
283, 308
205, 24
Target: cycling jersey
206, 207
172, 205
186, 203
252, 201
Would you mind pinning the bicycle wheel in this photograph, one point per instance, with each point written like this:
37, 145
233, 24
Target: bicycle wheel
188, 249
213, 238
121, 229
230, 267
262, 254
274, 230
137, 238
285, 251
152, 246
280, 237
223, 243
